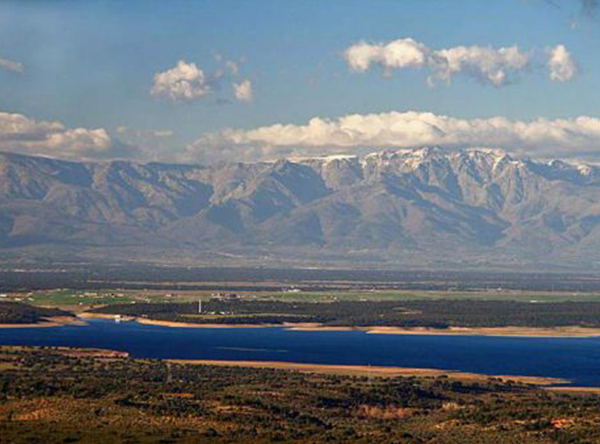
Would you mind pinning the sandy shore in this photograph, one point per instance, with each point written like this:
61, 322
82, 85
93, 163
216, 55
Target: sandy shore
48, 322
533, 332
195, 325
374, 371
313, 326
525, 332
111, 317
308, 326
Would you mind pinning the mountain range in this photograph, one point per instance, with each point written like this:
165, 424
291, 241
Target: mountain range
410, 208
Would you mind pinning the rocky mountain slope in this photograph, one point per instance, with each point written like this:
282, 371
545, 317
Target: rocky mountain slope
414, 207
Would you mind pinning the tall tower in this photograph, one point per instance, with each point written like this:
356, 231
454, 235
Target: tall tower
199, 306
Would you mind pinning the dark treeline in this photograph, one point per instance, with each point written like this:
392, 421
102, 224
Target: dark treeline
73, 396
429, 313
151, 277
18, 313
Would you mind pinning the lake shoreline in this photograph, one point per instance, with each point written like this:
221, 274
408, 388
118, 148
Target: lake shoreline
372, 371
57, 321
509, 331
521, 332
244, 354
358, 370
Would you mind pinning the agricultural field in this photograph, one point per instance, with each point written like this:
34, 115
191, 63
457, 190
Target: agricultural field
379, 295
89, 298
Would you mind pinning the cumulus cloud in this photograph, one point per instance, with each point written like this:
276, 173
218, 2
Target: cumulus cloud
243, 91
184, 82
12, 65
21, 134
357, 133
494, 66
403, 53
486, 64
561, 64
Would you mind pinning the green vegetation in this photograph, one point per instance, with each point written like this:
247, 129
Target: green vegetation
62, 298
59, 395
432, 313
18, 313
86, 298
379, 295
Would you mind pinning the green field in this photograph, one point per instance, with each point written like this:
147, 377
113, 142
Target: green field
73, 298
431, 295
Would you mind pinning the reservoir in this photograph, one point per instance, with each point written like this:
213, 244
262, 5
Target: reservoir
576, 359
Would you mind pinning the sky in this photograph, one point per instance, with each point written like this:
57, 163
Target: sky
206, 81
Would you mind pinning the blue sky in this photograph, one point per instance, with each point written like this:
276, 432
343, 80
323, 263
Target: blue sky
91, 64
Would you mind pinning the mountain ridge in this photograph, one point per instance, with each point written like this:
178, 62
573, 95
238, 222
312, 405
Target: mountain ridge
407, 207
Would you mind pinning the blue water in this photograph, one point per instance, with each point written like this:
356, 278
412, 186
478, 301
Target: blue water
576, 359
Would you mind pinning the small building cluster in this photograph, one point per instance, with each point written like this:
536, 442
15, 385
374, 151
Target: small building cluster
225, 296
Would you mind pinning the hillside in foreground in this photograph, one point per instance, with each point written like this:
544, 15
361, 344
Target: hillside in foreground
91, 396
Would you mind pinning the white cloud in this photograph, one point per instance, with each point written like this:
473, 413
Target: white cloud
486, 64
356, 133
494, 66
129, 132
403, 53
11, 65
561, 64
184, 82
21, 134
243, 91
